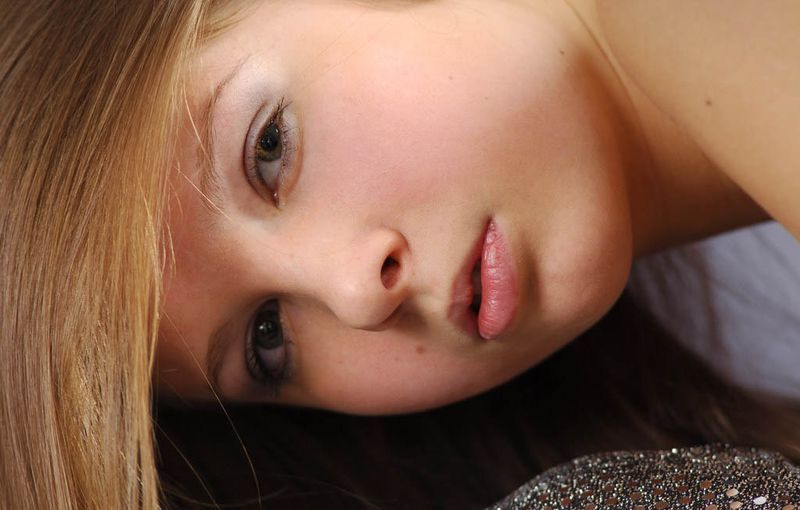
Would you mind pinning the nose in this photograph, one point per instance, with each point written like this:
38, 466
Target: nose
368, 280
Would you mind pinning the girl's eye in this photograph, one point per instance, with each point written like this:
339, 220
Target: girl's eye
267, 358
268, 159
270, 146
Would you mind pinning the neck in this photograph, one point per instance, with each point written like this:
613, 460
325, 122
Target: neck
676, 193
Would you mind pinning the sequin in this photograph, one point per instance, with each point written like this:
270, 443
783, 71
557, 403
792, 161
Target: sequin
713, 477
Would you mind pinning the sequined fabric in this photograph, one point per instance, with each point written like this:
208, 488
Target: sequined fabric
705, 478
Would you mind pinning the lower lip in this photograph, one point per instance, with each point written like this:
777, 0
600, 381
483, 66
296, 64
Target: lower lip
499, 286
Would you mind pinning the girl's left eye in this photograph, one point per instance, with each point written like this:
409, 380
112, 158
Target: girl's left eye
270, 145
269, 157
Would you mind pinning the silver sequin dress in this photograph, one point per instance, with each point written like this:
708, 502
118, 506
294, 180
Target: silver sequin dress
713, 477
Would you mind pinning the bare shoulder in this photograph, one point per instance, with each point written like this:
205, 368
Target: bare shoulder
729, 72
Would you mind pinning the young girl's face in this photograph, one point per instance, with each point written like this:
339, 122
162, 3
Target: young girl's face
371, 164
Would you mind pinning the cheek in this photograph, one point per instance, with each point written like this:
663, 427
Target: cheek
381, 141
393, 117
383, 372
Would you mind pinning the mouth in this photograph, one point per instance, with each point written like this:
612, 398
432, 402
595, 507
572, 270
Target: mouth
466, 298
475, 279
485, 291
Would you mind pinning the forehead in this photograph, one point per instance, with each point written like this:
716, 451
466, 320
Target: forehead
315, 32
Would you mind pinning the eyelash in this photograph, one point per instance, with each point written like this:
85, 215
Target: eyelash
273, 380
256, 179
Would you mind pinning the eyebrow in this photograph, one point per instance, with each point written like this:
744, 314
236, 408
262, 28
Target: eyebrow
217, 344
209, 188
209, 174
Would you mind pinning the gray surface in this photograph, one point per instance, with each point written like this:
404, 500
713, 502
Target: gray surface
734, 300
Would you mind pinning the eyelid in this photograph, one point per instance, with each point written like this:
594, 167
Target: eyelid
279, 112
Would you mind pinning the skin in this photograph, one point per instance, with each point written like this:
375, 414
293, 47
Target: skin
731, 82
405, 152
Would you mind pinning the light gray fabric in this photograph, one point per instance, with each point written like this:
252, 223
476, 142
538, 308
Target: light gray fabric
734, 300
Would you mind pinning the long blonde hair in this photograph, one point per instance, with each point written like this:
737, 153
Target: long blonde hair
89, 95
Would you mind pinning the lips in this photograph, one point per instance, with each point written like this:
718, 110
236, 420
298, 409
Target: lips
485, 291
498, 285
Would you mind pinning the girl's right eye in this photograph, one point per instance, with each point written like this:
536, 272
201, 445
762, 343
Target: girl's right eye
267, 352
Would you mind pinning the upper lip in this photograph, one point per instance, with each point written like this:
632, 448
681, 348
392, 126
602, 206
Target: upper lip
462, 290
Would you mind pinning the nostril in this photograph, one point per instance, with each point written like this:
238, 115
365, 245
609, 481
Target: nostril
390, 272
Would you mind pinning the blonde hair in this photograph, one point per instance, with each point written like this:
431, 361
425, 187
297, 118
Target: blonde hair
89, 97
